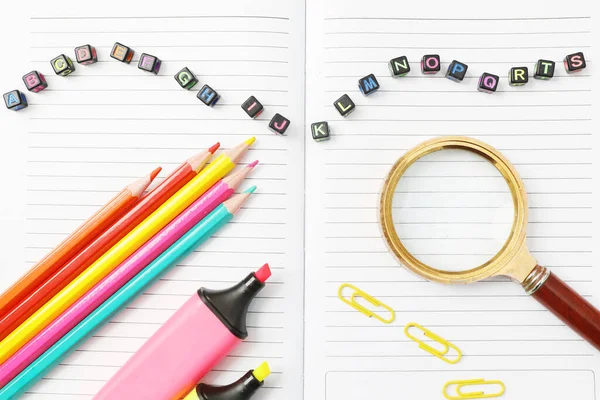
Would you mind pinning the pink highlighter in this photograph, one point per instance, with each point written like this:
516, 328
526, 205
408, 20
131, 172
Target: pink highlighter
199, 335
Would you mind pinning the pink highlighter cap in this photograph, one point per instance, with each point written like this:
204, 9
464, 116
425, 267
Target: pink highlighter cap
263, 273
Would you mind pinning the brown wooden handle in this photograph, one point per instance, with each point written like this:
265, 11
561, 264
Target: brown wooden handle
570, 307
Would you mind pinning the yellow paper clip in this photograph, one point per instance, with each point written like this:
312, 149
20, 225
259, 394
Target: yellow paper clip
473, 395
354, 304
439, 354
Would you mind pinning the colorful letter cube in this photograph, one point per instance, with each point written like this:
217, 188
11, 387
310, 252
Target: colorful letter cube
430, 64
456, 71
518, 76
368, 85
344, 105
62, 65
252, 107
279, 124
208, 96
320, 131
15, 100
35, 82
574, 62
488, 83
186, 79
399, 66
86, 54
544, 69
122, 53
149, 63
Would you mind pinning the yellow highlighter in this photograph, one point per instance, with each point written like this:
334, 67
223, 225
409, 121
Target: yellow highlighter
242, 389
221, 165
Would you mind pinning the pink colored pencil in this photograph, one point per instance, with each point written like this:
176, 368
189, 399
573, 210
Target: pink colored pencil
122, 274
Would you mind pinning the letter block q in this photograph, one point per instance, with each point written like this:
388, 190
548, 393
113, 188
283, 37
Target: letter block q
122, 53
574, 62
488, 83
544, 69
430, 64
368, 85
518, 76
86, 55
456, 71
35, 81
344, 105
320, 131
15, 100
186, 79
62, 65
279, 124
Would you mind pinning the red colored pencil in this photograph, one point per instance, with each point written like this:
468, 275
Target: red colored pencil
146, 206
81, 237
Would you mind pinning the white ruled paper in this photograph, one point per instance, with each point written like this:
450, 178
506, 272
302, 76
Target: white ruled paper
545, 128
97, 130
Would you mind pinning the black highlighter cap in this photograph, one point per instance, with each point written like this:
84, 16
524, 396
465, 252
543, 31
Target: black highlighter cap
242, 389
231, 305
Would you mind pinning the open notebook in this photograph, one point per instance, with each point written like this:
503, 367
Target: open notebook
314, 216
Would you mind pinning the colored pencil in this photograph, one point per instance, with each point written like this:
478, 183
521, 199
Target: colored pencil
146, 206
221, 165
163, 263
76, 241
217, 194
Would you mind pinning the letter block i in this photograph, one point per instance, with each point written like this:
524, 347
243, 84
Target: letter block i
252, 107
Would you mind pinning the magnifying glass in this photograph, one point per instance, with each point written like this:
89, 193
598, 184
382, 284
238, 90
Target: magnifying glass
454, 210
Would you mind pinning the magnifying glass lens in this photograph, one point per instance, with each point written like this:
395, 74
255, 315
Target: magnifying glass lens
453, 210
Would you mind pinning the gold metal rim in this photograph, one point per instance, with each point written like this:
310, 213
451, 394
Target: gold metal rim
513, 244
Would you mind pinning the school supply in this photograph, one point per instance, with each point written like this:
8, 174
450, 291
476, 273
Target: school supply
182, 248
459, 387
433, 348
146, 206
217, 169
357, 294
73, 244
216, 195
242, 389
200, 334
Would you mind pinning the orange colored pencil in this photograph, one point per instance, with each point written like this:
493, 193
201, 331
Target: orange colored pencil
69, 271
82, 236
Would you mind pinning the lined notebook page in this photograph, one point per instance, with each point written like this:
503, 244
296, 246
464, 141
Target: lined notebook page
97, 130
544, 128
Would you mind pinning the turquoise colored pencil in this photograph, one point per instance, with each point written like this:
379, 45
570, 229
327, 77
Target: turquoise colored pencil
163, 263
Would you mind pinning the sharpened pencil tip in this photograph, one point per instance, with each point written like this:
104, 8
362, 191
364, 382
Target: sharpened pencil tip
253, 164
155, 173
251, 189
214, 148
250, 141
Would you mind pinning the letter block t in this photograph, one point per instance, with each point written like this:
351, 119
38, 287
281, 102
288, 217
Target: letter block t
544, 69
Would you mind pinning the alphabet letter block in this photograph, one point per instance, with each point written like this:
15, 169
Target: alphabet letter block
399, 66
320, 131
122, 53
15, 100
208, 96
149, 63
62, 65
279, 124
544, 69
518, 76
368, 85
252, 107
35, 82
186, 79
86, 54
574, 62
344, 105
430, 64
488, 83
456, 71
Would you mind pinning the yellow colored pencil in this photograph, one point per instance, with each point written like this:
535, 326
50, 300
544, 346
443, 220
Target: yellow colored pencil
221, 165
